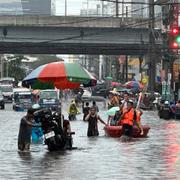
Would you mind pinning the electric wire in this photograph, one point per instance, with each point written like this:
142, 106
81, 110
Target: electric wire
74, 37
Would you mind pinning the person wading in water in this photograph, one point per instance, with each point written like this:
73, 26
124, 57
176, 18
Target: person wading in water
26, 124
93, 119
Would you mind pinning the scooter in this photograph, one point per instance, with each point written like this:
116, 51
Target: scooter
54, 136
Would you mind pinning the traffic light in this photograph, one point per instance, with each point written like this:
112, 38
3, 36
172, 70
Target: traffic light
174, 37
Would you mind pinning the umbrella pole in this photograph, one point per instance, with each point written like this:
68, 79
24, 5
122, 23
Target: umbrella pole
60, 99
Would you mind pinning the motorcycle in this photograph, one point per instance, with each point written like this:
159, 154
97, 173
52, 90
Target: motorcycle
54, 135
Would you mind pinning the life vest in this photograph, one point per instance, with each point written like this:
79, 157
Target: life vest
73, 109
128, 117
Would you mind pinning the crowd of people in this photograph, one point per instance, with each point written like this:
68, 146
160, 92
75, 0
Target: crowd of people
126, 116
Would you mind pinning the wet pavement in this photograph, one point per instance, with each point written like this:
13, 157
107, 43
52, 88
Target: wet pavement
102, 158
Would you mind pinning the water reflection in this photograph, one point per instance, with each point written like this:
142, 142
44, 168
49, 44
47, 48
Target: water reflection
155, 157
171, 149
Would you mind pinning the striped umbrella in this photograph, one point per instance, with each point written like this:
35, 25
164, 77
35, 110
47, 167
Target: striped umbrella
62, 75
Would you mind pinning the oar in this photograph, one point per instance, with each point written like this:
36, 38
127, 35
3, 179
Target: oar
138, 103
139, 100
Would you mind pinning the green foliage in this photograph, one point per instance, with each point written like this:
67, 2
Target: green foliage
43, 59
15, 68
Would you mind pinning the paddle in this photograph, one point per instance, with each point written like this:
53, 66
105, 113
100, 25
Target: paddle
137, 106
139, 100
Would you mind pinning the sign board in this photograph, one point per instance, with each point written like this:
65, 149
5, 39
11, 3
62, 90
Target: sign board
166, 88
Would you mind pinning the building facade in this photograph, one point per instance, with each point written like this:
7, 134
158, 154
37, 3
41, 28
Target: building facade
27, 7
140, 8
38, 7
10, 7
124, 8
100, 8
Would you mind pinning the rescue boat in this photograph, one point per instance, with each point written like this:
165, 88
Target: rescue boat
116, 131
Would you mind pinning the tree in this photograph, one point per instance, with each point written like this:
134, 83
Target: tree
43, 59
15, 67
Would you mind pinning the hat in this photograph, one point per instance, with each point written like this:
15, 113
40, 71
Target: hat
166, 102
130, 102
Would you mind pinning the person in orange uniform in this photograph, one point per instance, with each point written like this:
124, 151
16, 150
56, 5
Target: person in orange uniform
138, 120
128, 119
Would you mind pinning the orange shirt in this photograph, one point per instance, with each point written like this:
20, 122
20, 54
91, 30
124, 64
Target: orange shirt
128, 117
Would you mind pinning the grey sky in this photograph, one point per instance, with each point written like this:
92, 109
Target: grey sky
73, 6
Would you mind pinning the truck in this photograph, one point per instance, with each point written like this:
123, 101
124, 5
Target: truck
7, 91
49, 98
22, 99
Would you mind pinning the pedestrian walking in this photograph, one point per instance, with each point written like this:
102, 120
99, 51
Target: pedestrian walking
93, 119
95, 106
85, 109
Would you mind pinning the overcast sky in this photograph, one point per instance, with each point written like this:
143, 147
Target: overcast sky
73, 6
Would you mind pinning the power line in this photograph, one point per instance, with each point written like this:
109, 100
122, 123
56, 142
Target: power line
145, 3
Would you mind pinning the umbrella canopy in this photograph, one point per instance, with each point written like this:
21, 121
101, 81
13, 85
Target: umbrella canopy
112, 111
109, 78
116, 84
62, 75
134, 85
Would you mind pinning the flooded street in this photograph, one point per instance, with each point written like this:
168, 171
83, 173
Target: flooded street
155, 157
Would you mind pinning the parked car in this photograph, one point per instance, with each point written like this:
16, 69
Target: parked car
1, 100
7, 91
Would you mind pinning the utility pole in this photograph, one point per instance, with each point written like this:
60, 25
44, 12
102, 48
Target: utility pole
117, 8
102, 8
151, 49
100, 66
126, 67
123, 10
65, 11
2, 64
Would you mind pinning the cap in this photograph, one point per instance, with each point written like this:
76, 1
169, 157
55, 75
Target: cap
166, 102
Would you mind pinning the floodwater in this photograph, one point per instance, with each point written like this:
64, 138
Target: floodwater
101, 158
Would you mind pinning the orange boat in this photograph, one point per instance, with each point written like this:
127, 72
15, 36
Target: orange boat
116, 131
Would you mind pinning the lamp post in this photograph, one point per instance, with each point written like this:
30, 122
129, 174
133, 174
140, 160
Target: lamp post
7, 74
2, 69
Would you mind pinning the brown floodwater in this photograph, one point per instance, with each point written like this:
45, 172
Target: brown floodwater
102, 158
